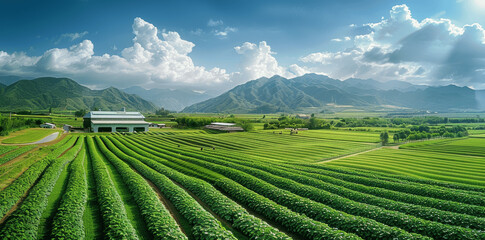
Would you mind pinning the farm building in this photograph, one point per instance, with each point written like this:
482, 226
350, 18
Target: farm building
48, 125
224, 127
302, 116
113, 121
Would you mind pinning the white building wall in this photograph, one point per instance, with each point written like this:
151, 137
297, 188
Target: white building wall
130, 127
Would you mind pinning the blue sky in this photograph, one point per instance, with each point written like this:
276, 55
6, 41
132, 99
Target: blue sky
288, 38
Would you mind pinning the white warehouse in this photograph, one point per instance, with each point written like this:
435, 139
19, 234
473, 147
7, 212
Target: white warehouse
115, 121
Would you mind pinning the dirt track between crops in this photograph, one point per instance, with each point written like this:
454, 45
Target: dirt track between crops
355, 154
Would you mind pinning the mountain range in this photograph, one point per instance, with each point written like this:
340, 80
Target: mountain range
307, 93
279, 94
66, 94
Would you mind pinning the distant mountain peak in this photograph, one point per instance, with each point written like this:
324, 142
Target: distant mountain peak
316, 91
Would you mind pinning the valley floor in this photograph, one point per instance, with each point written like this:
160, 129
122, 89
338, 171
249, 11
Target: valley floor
191, 184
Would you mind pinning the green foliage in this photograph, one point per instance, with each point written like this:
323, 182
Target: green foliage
13, 154
117, 225
66, 94
163, 112
384, 138
23, 223
8, 124
80, 112
68, 221
158, 219
218, 202
11, 195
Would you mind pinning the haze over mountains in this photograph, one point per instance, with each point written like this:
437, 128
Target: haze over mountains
174, 100
278, 94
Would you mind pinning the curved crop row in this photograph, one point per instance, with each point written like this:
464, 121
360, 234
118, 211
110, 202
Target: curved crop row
294, 222
425, 190
12, 194
158, 219
205, 225
327, 185
117, 225
366, 228
24, 222
251, 226
444, 205
68, 221
5, 148
13, 154
471, 189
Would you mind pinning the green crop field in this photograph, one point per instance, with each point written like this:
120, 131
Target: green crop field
28, 135
265, 184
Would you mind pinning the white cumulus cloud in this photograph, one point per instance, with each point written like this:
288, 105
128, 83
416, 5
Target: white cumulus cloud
258, 61
154, 60
399, 47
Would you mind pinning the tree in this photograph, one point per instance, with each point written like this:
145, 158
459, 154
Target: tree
80, 113
247, 126
162, 112
395, 137
384, 138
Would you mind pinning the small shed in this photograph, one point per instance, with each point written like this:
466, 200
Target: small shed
156, 125
67, 128
224, 127
48, 125
302, 116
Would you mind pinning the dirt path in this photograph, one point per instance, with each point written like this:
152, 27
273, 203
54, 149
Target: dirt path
355, 154
346, 156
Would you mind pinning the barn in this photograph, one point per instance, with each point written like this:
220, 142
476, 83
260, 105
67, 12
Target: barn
114, 121
224, 127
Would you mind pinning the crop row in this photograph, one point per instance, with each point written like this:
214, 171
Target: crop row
435, 169
367, 185
68, 221
17, 152
117, 225
12, 194
205, 226
24, 222
471, 189
223, 206
363, 227
381, 192
480, 190
386, 193
389, 217
5, 149
342, 188
292, 221
158, 219
422, 190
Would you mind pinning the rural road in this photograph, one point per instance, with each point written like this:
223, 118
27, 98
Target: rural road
49, 138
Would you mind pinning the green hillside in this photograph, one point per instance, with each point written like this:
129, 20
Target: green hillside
66, 94
278, 94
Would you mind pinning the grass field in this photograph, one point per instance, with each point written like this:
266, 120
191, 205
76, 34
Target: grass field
28, 135
193, 184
